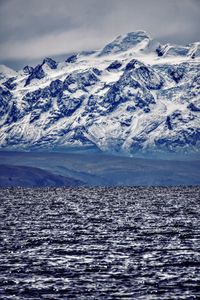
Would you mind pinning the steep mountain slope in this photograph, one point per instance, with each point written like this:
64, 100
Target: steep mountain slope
133, 95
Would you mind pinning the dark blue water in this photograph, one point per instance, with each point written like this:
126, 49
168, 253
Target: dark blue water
100, 243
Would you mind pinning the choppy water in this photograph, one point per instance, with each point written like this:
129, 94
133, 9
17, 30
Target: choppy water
100, 243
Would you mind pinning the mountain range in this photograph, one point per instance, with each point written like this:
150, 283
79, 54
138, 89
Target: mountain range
135, 95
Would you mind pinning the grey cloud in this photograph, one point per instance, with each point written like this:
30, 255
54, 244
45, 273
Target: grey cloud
46, 15
32, 29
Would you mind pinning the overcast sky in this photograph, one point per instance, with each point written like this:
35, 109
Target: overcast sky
33, 29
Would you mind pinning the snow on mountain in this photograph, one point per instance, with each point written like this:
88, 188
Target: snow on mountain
133, 95
6, 72
134, 40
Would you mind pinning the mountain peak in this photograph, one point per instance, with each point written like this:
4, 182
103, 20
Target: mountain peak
137, 34
125, 42
6, 71
50, 62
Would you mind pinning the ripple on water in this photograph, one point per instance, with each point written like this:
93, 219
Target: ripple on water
100, 243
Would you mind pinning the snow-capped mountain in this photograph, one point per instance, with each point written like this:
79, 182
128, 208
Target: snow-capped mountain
133, 95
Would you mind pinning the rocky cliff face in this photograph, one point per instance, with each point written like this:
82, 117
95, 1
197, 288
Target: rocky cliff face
133, 95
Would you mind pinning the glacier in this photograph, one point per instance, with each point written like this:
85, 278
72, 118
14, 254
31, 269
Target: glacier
135, 95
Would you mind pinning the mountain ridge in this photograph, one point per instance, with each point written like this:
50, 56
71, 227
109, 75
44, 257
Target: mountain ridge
133, 95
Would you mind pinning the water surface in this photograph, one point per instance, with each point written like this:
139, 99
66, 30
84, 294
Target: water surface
100, 243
